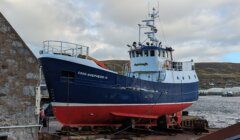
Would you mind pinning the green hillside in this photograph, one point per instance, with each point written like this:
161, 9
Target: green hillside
219, 74
210, 74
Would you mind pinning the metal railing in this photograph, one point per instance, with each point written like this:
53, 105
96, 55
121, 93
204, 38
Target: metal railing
65, 48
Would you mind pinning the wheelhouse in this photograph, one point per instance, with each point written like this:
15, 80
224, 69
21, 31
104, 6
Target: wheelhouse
151, 51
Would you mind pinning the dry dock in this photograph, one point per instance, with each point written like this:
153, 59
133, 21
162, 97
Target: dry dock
180, 136
52, 133
229, 133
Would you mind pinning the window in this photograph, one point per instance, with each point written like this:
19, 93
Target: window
67, 74
146, 53
177, 77
138, 53
189, 77
133, 53
183, 77
159, 53
193, 68
130, 54
3, 137
152, 53
163, 53
167, 53
195, 76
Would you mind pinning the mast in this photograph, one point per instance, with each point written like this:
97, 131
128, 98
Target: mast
150, 23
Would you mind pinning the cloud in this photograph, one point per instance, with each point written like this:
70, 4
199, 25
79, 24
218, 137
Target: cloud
203, 51
201, 30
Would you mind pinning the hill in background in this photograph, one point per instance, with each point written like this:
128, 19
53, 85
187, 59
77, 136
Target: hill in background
218, 74
209, 74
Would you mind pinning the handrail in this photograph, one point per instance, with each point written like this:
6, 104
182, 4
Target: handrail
65, 48
20, 126
65, 42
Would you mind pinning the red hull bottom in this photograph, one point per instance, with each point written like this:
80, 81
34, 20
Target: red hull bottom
100, 115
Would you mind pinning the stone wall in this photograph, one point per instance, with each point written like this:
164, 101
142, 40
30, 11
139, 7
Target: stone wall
18, 79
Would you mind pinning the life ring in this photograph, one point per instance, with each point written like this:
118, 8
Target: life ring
167, 64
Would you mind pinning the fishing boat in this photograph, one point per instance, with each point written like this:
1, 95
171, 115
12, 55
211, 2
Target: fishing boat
84, 92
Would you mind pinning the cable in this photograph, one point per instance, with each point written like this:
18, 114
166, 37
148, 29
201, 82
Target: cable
68, 102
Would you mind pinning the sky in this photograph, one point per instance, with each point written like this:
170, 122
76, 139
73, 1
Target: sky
203, 30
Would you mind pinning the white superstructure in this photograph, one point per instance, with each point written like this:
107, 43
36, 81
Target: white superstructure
151, 61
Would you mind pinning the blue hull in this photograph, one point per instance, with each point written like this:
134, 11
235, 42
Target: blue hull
89, 85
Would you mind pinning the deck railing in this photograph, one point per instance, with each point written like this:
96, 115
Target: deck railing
65, 48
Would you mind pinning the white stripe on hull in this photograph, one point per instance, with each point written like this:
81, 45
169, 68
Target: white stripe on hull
81, 104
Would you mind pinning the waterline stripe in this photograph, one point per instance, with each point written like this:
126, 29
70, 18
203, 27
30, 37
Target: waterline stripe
84, 104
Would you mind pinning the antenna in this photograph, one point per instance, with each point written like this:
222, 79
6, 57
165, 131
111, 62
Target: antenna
161, 26
139, 33
148, 8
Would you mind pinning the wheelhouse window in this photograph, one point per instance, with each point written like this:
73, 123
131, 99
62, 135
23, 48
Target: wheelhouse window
138, 53
159, 53
163, 53
169, 54
133, 53
141, 53
146, 53
152, 53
